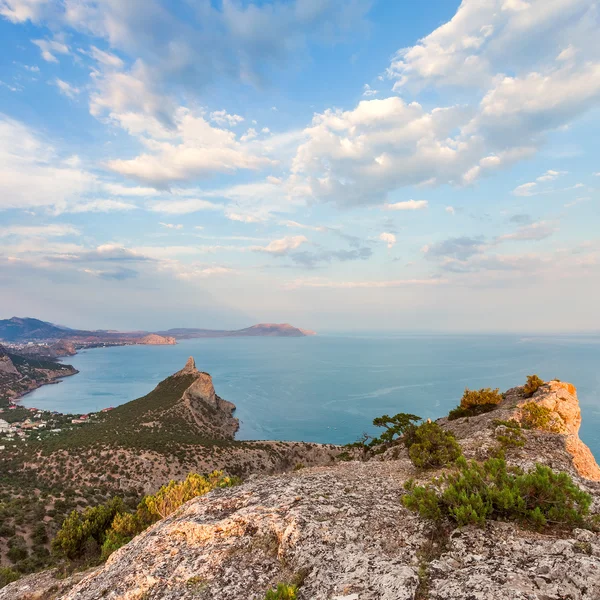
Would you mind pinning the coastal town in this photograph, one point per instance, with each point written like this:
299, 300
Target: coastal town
18, 423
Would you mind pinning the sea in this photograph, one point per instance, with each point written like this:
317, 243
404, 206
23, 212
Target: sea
329, 388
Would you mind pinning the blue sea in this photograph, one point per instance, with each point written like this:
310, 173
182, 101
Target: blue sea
329, 388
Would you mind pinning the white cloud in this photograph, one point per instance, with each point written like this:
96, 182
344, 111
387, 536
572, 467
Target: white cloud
450, 210
389, 239
101, 206
526, 189
66, 89
345, 285
532, 232
53, 230
550, 175
19, 11
117, 189
50, 48
221, 117
197, 150
296, 225
171, 225
369, 91
488, 37
32, 173
106, 58
408, 205
282, 246
249, 135
183, 207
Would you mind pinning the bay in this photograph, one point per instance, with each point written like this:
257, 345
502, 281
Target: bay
328, 388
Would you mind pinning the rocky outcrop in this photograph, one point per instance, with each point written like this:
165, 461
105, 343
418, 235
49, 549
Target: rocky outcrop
6, 365
153, 339
344, 533
213, 415
563, 450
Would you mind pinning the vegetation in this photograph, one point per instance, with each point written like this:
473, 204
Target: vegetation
99, 531
476, 492
476, 402
7, 575
511, 436
532, 385
395, 427
431, 446
283, 592
535, 416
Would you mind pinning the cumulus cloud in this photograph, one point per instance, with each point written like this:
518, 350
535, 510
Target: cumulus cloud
369, 91
389, 239
450, 210
221, 117
183, 207
196, 150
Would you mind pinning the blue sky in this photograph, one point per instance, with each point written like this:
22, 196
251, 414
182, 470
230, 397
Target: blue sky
337, 164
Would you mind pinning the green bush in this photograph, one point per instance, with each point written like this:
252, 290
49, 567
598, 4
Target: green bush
7, 576
476, 402
535, 416
490, 490
80, 532
283, 592
431, 446
532, 385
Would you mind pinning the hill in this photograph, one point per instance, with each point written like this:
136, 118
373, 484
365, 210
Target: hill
21, 374
17, 329
262, 330
347, 532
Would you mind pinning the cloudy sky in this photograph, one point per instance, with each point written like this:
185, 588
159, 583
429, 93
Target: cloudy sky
337, 164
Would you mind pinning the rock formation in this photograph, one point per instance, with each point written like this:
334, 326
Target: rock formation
6, 365
563, 450
153, 339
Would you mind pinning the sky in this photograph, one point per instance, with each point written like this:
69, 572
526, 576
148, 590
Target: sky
342, 165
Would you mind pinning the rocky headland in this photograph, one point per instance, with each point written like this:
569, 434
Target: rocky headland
341, 531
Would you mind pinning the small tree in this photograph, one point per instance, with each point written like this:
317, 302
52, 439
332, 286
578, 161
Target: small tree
431, 446
395, 427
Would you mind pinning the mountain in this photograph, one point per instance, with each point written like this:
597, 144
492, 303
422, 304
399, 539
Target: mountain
260, 330
21, 374
26, 329
22, 330
343, 531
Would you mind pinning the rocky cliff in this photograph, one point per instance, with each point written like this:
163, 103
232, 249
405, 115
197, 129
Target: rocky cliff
342, 533
152, 339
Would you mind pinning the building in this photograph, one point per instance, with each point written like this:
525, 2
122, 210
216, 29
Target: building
4, 426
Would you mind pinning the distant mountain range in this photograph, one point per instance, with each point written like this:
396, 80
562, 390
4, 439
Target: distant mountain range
21, 330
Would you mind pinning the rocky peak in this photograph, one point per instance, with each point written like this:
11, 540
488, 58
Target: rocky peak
189, 369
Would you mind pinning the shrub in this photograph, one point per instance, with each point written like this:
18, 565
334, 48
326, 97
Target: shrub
431, 446
283, 592
173, 495
532, 385
7, 575
477, 492
79, 532
395, 427
535, 416
17, 549
476, 402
